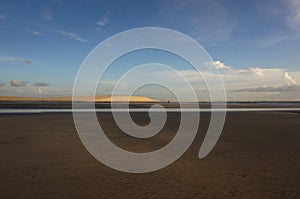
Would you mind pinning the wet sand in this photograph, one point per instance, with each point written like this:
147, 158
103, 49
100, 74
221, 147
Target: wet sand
257, 156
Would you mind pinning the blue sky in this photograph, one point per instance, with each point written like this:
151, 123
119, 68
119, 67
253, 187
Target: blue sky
43, 43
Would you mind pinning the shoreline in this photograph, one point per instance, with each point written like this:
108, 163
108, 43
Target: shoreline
100, 105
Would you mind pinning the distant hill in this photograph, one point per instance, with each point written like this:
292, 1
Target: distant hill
104, 98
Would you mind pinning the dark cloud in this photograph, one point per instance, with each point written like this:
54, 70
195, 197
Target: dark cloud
27, 61
283, 88
24, 61
41, 84
17, 83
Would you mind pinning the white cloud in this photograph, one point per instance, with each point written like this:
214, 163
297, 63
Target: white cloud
70, 35
17, 83
107, 82
290, 80
258, 71
39, 91
217, 65
2, 17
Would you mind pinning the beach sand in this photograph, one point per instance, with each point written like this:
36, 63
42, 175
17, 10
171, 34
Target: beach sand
257, 156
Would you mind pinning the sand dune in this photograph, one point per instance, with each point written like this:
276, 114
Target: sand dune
105, 98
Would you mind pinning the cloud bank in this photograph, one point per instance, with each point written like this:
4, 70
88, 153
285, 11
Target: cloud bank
26, 88
253, 83
283, 88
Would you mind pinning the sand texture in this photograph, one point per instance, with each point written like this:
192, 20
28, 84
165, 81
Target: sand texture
257, 156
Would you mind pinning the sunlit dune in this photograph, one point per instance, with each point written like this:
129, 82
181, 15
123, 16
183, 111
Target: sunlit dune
105, 98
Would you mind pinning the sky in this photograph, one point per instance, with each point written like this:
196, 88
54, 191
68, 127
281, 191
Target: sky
255, 45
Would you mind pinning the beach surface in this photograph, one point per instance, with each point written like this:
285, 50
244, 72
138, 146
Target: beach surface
257, 156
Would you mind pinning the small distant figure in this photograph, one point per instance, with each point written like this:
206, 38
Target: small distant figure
168, 102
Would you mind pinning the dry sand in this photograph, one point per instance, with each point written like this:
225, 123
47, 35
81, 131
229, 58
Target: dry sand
257, 156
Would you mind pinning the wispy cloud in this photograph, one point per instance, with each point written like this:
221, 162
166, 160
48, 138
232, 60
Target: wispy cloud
70, 35
47, 15
15, 60
293, 19
271, 40
206, 21
103, 21
17, 83
2, 17
106, 86
33, 32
